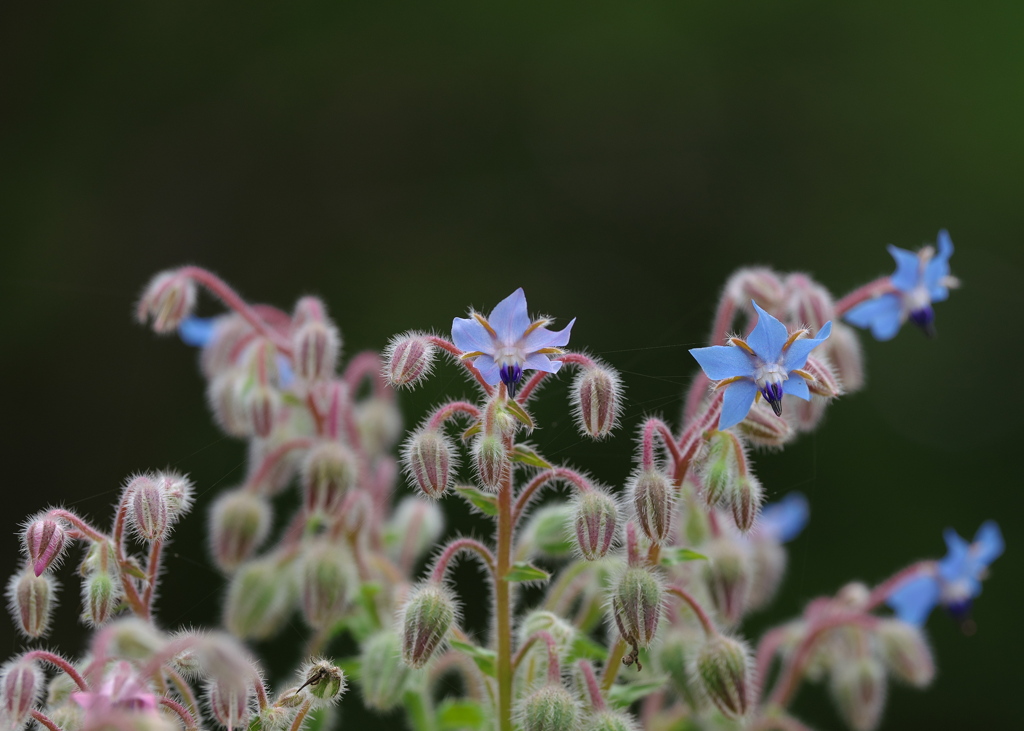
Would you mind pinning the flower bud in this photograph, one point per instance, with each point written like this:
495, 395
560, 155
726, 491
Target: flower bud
101, 594
259, 600
611, 721
727, 573
148, 510
30, 598
328, 580
229, 703
825, 384
231, 333
382, 676
596, 397
408, 359
168, 299
132, 638
21, 685
329, 471
756, 283
763, 428
726, 460
858, 689
810, 304
224, 395
221, 657
380, 425
906, 652
44, 541
675, 655
261, 404
239, 523
492, 465
549, 531
843, 349
179, 492
653, 500
596, 521
426, 618
284, 467
429, 458
723, 666
549, 708
806, 415
324, 682
768, 566
315, 347
276, 717
745, 501
636, 605
415, 527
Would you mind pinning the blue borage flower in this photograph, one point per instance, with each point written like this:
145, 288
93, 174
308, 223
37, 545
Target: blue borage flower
956, 581
761, 365
919, 280
784, 520
508, 342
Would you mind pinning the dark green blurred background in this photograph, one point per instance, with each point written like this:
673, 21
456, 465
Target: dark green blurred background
616, 162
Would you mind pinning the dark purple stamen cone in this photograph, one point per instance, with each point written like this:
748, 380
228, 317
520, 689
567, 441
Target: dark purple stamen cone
772, 393
510, 376
924, 318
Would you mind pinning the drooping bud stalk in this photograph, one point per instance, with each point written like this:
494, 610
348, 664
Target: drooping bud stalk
653, 500
329, 471
858, 688
260, 597
408, 359
44, 541
727, 573
229, 703
636, 605
430, 459
549, 708
596, 398
21, 685
324, 682
492, 463
327, 583
239, 523
724, 669
168, 299
826, 383
745, 501
427, 617
383, 676
596, 521
763, 429
906, 652
845, 353
31, 600
148, 509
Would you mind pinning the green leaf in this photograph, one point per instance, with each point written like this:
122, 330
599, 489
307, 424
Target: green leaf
485, 659
625, 695
519, 412
454, 715
482, 501
673, 556
472, 431
584, 648
526, 455
525, 572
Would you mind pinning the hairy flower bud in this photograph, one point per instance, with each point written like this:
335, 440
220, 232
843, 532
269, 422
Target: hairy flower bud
315, 348
224, 396
132, 638
492, 464
408, 359
427, 617
239, 523
329, 471
906, 652
755, 283
745, 501
101, 594
723, 666
636, 605
324, 682
596, 397
596, 520
261, 404
415, 527
675, 656
380, 425
179, 493
260, 596
768, 566
549, 708
826, 383
727, 574
763, 428
382, 676
807, 415
611, 721
809, 304
148, 509
21, 685
168, 299
429, 458
653, 500
549, 532
845, 353
858, 688
31, 601
229, 703
725, 462
327, 583
44, 541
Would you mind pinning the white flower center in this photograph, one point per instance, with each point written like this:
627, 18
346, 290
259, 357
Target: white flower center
768, 373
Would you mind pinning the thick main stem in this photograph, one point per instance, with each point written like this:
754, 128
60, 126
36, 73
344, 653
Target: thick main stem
503, 600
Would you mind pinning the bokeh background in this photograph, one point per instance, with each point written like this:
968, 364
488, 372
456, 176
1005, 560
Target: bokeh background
616, 161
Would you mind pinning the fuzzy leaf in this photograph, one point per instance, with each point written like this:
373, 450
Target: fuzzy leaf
525, 572
626, 694
673, 556
455, 715
526, 455
520, 413
472, 431
482, 501
585, 648
485, 659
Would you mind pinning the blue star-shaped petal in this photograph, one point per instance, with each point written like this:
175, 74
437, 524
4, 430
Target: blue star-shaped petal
763, 363
784, 520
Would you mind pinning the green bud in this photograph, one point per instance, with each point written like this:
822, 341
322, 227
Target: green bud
380, 425
858, 688
675, 655
427, 617
549, 530
549, 708
383, 676
727, 574
239, 523
492, 464
636, 605
329, 471
324, 682
611, 721
31, 601
328, 581
534, 666
259, 599
101, 594
723, 666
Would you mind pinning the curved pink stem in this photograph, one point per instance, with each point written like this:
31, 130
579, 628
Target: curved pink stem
656, 427
453, 549
451, 410
58, 662
447, 347
367, 365
545, 478
878, 287
702, 616
881, 592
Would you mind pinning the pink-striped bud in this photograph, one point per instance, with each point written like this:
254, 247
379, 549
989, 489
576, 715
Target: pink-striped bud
408, 359
427, 617
21, 686
329, 471
168, 299
596, 519
653, 500
858, 688
906, 652
745, 501
261, 405
636, 605
826, 383
148, 510
727, 574
725, 463
101, 595
596, 397
763, 428
492, 463
315, 345
724, 668
31, 600
229, 703
44, 541
239, 523
809, 304
843, 349
225, 398
327, 584
178, 491
756, 283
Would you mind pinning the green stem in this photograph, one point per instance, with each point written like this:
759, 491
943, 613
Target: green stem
503, 601
421, 717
